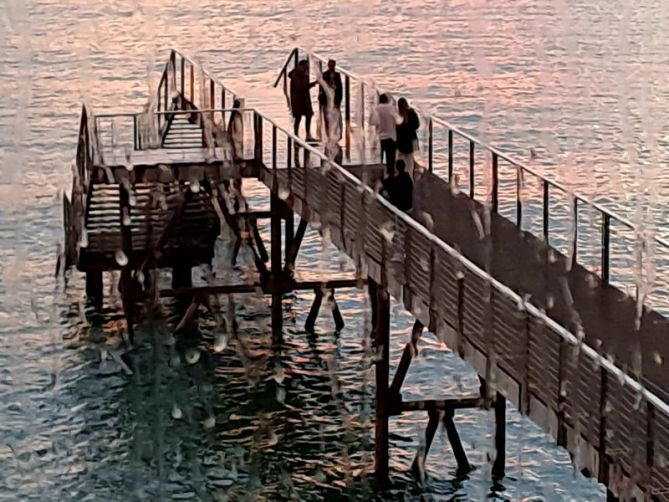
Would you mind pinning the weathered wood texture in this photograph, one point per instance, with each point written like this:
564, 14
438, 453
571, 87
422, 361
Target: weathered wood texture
608, 426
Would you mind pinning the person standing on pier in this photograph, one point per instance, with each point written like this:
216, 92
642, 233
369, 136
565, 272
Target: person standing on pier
329, 98
407, 134
385, 120
300, 97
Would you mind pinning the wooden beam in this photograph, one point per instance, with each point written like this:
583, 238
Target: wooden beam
409, 350
456, 444
94, 287
336, 314
382, 339
421, 454
294, 248
255, 287
277, 304
440, 404
313, 312
498, 468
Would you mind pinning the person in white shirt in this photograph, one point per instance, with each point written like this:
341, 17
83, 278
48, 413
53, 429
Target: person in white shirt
385, 120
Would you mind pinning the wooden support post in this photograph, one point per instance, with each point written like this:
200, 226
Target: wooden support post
277, 307
336, 314
94, 287
260, 245
456, 444
432, 425
294, 248
498, 467
290, 236
128, 302
313, 312
382, 339
181, 277
405, 361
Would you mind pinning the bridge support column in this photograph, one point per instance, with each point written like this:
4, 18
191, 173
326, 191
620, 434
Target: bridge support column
381, 302
498, 467
181, 277
94, 287
276, 207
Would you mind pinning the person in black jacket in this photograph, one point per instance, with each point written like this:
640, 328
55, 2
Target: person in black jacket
407, 134
398, 187
329, 99
300, 99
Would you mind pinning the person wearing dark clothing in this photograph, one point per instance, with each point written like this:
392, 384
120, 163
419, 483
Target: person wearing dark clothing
330, 96
407, 134
398, 188
300, 98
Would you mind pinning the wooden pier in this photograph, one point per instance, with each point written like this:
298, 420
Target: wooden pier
579, 365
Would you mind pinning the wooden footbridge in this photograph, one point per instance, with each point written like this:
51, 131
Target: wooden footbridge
560, 339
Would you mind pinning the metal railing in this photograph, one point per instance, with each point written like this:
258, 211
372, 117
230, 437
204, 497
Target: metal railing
444, 138
127, 132
184, 79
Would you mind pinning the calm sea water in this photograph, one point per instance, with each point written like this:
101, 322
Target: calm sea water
581, 83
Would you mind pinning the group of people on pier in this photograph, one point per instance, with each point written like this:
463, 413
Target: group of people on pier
397, 128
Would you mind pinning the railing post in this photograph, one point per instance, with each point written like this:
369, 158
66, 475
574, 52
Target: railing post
519, 202
347, 110
472, 147
212, 96
192, 84
430, 145
546, 211
182, 91
258, 150
495, 182
135, 142
173, 62
606, 239
362, 106
575, 245
273, 146
450, 155
166, 94
289, 153
223, 102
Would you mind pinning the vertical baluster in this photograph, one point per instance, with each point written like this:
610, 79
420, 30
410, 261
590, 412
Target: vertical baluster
546, 211
192, 83
472, 161
347, 109
289, 153
450, 155
135, 142
495, 182
606, 239
575, 234
212, 96
182, 91
519, 202
273, 146
430, 145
